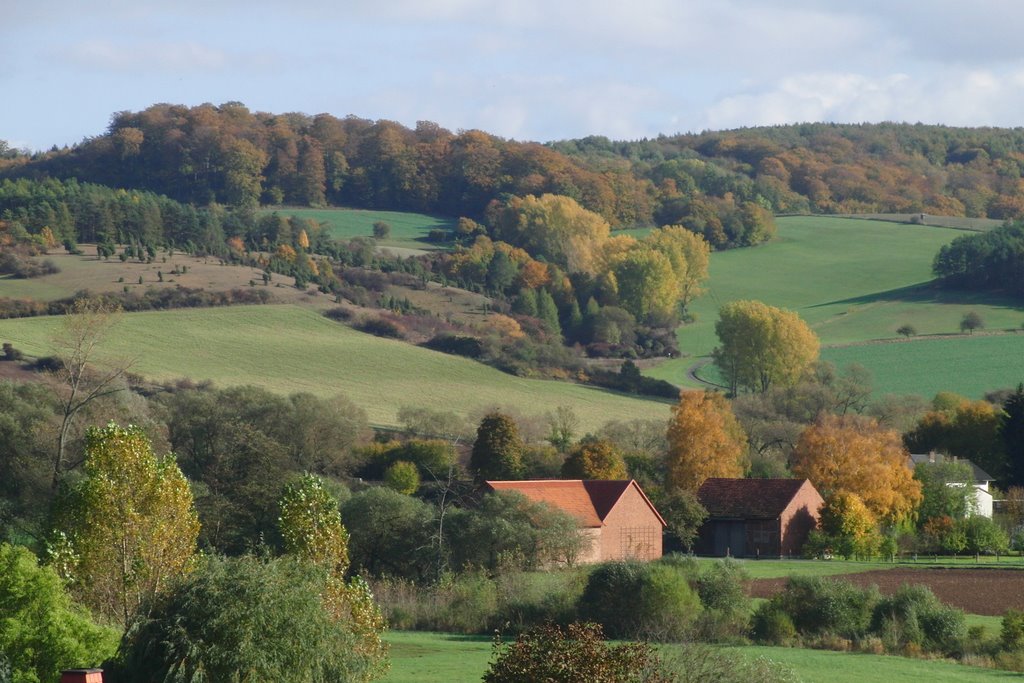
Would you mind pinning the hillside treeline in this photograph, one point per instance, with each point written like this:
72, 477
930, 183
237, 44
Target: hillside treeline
86, 212
991, 261
829, 168
231, 155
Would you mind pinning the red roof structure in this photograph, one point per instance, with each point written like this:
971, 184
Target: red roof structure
747, 498
621, 521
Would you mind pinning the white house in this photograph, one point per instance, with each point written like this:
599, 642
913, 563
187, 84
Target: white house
981, 483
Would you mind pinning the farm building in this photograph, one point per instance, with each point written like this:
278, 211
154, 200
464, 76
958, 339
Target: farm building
616, 516
981, 483
757, 517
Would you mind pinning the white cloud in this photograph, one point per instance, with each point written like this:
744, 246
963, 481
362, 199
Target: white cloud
962, 97
188, 56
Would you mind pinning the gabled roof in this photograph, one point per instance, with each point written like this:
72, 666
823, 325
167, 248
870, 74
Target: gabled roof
748, 498
589, 501
980, 475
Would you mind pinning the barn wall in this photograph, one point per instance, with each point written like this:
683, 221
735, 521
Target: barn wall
800, 518
631, 530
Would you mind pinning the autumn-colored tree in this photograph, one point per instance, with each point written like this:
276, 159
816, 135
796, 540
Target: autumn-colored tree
688, 253
762, 346
498, 449
704, 440
853, 454
850, 528
963, 428
555, 227
310, 525
129, 528
594, 458
303, 239
647, 284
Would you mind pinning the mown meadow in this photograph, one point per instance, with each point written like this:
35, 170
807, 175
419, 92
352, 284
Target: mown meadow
407, 229
442, 658
860, 280
287, 348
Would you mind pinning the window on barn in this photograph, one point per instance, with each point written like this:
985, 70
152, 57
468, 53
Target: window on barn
636, 541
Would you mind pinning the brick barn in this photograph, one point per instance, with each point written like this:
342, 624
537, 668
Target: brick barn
757, 517
616, 516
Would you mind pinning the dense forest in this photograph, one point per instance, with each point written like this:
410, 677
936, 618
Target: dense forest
714, 183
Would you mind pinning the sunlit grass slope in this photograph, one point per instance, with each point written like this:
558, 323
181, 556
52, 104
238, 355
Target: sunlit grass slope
858, 280
287, 349
407, 229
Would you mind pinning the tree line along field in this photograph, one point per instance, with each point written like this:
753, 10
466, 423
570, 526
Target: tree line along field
855, 281
289, 349
408, 230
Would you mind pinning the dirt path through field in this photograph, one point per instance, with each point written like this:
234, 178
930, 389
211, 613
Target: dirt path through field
976, 591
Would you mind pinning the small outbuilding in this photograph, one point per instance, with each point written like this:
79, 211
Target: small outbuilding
757, 517
615, 515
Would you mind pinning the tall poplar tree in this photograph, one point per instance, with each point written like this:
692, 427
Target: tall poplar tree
129, 528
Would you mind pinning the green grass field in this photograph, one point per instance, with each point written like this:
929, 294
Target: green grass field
859, 280
407, 229
287, 349
445, 658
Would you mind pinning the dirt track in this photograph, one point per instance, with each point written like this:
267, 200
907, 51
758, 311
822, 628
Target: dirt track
976, 591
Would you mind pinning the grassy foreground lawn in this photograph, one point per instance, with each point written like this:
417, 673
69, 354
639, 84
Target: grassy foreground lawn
286, 348
859, 280
407, 229
446, 658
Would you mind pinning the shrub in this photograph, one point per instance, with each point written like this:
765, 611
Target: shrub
578, 653
402, 476
772, 625
722, 591
820, 606
1012, 634
242, 619
381, 327
913, 617
633, 599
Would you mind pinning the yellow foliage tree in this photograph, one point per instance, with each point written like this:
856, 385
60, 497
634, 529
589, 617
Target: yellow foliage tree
761, 346
647, 284
853, 454
312, 531
562, 230
286, 252
849, 526
594, 459
129, 528
704, 440
688, 253
303, 239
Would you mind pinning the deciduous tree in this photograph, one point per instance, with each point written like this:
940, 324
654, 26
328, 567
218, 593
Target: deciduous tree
83, 375
704, 440
42, 631
128, 529
498, 449
311, 527
594, 458
761, 346
853, 454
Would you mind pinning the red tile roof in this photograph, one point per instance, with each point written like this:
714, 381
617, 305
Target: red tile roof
747, 498
588, 501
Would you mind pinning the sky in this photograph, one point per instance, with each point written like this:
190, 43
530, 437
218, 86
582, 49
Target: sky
522, 69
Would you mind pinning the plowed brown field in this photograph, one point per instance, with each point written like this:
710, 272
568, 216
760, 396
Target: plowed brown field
975, 591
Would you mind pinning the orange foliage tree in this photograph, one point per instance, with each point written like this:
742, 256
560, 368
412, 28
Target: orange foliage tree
853, 454
704, 440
